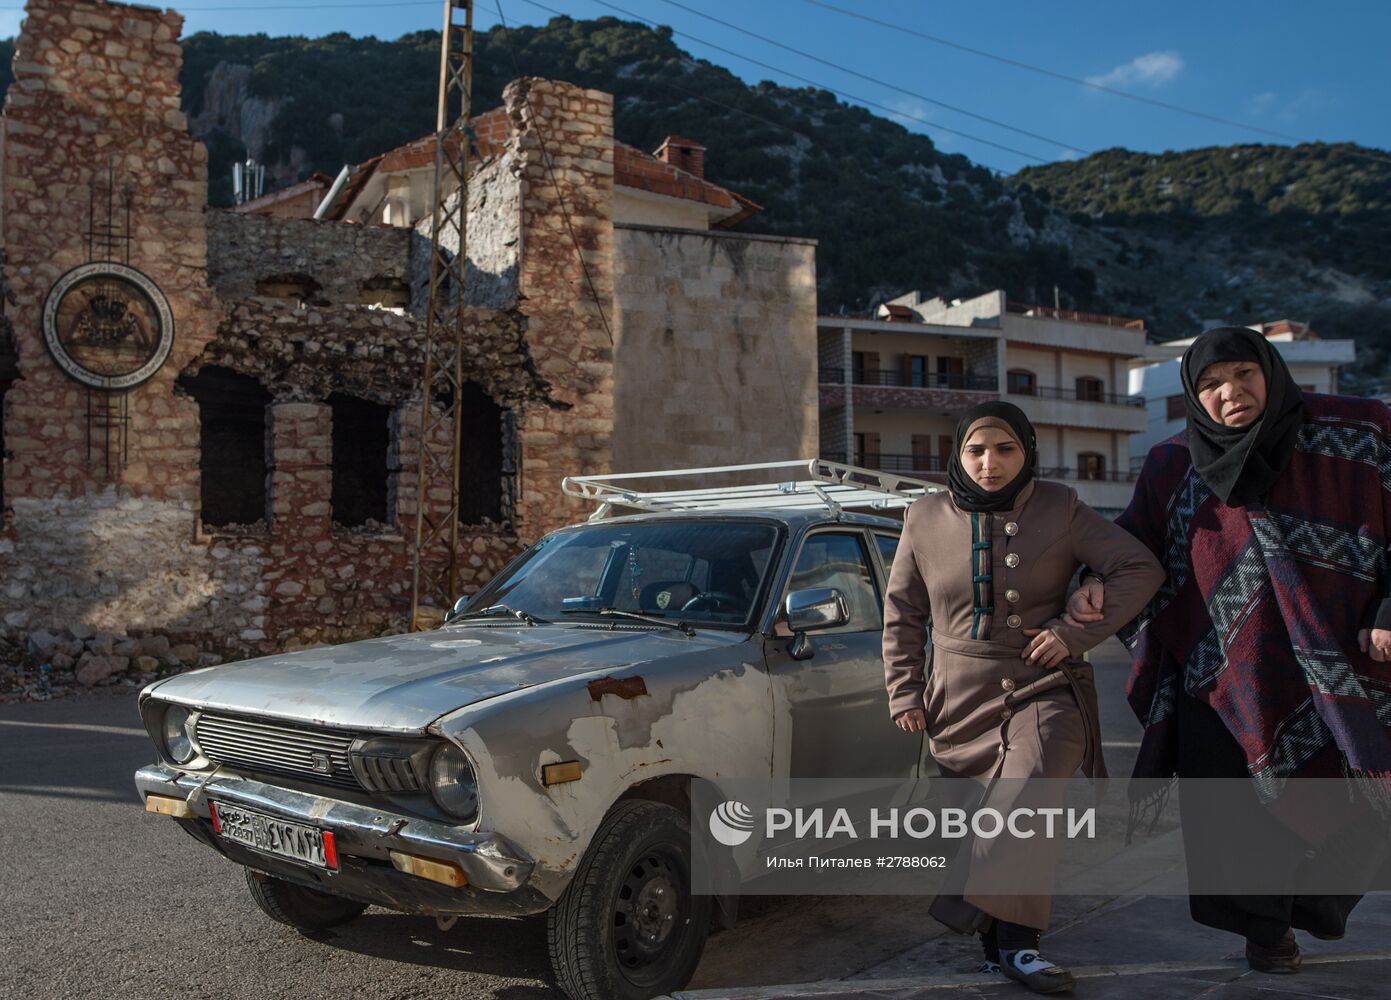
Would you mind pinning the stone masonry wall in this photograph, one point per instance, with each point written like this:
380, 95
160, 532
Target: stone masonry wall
716, 345
96, 85
564, 143
341, 262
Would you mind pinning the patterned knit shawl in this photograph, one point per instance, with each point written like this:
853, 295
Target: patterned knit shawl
1260, 612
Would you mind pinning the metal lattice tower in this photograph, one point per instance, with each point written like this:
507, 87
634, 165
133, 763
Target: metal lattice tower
433, 588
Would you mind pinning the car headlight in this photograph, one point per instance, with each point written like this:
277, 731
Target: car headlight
452, 782
176, 742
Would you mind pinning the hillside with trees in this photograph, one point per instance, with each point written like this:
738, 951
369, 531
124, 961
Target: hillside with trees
1226, 234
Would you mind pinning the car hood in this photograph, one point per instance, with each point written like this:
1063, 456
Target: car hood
402, 683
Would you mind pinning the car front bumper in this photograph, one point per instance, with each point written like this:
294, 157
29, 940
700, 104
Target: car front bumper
497, 872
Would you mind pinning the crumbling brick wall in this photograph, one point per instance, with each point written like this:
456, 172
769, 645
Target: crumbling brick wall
305, 311
564, 140
96, 87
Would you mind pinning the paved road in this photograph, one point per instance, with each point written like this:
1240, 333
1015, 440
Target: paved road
101, 900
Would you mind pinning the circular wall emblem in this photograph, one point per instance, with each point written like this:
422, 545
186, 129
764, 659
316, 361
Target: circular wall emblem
108, 325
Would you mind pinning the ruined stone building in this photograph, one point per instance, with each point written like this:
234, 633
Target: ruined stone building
210, 417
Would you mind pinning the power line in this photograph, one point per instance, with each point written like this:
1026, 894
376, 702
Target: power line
895, 112
878, 82
1079, 81
1053, 73
550, 172
741, 111
184, 9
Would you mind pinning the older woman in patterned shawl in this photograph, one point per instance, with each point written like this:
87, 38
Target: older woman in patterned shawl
1267, 652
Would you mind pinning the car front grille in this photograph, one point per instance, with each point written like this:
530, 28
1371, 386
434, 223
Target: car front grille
314, 754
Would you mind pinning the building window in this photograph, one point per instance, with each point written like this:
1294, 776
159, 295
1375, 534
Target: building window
1091, 465
484, 470
864, 367
1021, 383
1090, 390
232, 441
361, 436
1175, 408
914, 370
867, 449
951, 372
4, 455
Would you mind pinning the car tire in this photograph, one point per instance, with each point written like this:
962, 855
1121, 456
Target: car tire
302, 908
628, 927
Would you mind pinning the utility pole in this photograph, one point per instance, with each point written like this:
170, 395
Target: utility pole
434, 589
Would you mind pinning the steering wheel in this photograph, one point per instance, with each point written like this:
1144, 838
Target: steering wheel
712, 600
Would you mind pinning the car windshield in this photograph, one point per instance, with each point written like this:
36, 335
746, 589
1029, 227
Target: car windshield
702, 572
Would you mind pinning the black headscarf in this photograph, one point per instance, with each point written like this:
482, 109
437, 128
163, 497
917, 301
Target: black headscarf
1240, 464
967, 493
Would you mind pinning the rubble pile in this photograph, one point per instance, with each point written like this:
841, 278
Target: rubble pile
52, 661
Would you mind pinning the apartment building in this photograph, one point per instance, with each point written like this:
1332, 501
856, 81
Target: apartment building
1313, 361
893, 387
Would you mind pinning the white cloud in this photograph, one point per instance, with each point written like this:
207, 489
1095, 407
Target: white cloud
1152, 70
1262, 102
1306, 105
910, 114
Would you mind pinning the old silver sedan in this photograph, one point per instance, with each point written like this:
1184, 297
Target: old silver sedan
536, 753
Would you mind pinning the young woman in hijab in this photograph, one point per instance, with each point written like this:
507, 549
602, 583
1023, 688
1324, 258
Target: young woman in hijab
986, 565
1267, 648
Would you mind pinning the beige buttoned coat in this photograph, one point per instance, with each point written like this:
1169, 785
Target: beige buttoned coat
978, 582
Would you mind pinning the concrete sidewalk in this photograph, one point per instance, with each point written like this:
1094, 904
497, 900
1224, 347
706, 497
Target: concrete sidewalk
1137, 947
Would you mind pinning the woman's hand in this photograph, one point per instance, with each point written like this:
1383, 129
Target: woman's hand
1084, 606
1376, 643
912, 721
1046, 650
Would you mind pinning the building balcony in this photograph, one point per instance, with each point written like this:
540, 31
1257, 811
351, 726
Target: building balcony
1050, 407
886, 389
1081, 396
899, 379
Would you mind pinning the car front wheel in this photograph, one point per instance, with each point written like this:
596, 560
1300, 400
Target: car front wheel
302, 908
628, 927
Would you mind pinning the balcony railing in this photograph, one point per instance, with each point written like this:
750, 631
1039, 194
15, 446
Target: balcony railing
1077, 475
925, 380
921, 465
1081, 396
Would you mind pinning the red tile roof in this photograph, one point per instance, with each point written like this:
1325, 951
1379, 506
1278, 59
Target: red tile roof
635, 169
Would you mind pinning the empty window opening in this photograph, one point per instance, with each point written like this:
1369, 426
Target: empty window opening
386, 293
9, 372
485, 466
297, 288
232, 442
361, 439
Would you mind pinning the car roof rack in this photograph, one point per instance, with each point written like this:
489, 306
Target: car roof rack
818, 485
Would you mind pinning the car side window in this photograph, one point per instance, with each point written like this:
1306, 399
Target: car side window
888, 548
833, 559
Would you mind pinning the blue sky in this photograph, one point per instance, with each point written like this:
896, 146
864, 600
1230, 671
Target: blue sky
1311, 71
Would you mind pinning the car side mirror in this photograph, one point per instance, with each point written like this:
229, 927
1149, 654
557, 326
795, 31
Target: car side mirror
458, 608
811, 611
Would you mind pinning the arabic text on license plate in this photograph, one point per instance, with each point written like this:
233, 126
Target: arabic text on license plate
271, 835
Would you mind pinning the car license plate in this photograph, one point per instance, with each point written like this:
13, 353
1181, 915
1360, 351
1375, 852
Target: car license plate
269, 835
